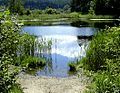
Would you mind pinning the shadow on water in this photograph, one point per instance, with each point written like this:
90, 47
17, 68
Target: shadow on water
95, 24
76, 23
62, 43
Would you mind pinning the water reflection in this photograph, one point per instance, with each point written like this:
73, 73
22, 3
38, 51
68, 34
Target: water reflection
60, 45
63, 42
63, 49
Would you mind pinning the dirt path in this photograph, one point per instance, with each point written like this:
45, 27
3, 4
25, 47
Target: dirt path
35, 84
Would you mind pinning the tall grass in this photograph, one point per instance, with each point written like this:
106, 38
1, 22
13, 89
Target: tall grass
103, 57
33, 62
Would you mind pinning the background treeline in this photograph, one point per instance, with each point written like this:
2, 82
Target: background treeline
98, 7
104, 7
39, 4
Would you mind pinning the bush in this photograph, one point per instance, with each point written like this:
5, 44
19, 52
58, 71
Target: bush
9, 36
104, 46
15, 89
103, 57
33, 62
51, 11
72, 66
74, 14
28, 12
39, 12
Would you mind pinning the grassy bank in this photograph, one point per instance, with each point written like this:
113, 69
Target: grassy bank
33, 62
102, 58
52, 17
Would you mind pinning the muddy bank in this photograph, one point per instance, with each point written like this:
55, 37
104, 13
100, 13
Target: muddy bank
35, 84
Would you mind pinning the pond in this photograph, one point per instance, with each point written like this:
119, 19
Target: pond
69, 44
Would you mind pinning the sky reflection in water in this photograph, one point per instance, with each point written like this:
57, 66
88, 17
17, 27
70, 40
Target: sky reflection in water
66, 47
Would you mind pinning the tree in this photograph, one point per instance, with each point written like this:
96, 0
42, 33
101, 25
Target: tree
105, 7
80, 5
16, 6
67, 8
50, 11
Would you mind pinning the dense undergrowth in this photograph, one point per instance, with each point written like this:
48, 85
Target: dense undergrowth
15, 89
16, 53
102, 62
103, 58
33, 62
9, 34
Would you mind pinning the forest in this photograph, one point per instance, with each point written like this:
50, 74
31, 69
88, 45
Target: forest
99, 7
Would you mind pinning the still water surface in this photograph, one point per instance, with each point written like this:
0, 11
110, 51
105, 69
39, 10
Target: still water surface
66, 46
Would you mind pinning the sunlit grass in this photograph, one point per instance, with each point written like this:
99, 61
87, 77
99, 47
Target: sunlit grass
52, 17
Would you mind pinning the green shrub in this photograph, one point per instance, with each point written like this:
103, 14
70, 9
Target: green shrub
106, 83
15, 89
103, 57
74, 15
72, 66
33, 62
28, 12
9, 36
105, 45
50, 11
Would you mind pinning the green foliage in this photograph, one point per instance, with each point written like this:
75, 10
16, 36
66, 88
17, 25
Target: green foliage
40, 4
16, 6
92, 7
67, 8
72, 66
17, 49
26, 57
74, 15
91, 11
9, 36
50, 11
15, 89
80, 5
33, 62
25, 48
27, 44
28, 12
103, 57
103, 46
99, 7
38, 12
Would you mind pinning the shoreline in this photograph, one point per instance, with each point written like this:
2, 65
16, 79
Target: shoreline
43, 84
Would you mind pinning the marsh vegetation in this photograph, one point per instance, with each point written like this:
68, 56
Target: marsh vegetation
50, 38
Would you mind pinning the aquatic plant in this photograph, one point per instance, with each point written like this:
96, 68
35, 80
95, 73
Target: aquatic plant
73, 66
33, 62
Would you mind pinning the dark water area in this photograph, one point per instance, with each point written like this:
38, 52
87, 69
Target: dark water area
95, 24
76, 23
69, 44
